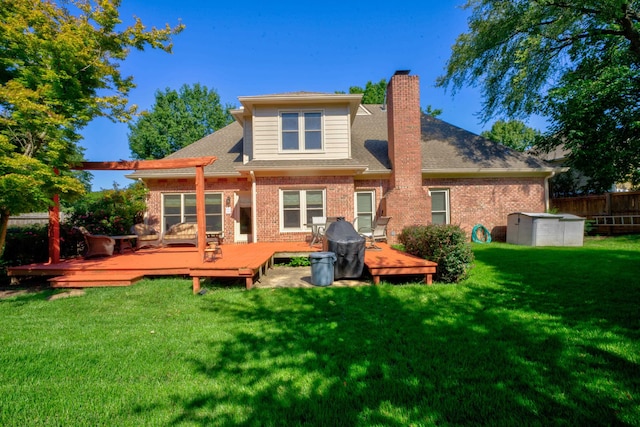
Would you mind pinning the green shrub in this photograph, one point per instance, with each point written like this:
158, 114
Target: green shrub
30, 244
299, 261
446, 245
589, 227
26, 245
110, 212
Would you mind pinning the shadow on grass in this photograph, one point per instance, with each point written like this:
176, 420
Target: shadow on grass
25, 295
536, 345
582, 285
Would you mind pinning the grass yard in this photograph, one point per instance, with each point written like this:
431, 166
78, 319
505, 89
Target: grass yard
536, 336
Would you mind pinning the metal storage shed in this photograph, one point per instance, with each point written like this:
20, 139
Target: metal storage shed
542, 229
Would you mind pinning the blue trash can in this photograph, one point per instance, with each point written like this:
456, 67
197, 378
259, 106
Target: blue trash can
322, 268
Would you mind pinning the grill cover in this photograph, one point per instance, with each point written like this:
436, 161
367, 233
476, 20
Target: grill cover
343, 240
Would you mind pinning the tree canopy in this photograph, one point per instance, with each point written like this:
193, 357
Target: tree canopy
59, 69
372, 93
177, 119
576, 62
111, 211
430, 111
513, 133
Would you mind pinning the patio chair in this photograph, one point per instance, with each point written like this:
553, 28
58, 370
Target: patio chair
146, 236
317, 222
377, 233
97, 244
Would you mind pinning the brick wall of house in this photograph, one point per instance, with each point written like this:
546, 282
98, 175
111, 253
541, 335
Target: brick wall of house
339, 194
228, 186
472, 201
488, 201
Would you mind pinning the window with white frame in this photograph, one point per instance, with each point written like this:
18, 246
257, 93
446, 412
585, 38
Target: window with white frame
301, 131
181, 207
298, 207
365, 210
440, 206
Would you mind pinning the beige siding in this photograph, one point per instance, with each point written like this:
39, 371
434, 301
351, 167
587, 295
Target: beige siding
266, 134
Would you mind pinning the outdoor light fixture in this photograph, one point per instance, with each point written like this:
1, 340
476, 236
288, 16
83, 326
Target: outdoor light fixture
228, 201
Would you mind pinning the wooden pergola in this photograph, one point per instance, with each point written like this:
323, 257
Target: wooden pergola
198, 162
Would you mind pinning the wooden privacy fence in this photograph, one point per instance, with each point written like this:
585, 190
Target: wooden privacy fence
612, 213
28, 219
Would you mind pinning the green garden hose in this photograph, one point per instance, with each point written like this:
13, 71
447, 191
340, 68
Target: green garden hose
485, 232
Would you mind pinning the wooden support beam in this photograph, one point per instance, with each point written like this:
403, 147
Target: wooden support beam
147, 164
54, 227
200, 214
198, 162
54, 231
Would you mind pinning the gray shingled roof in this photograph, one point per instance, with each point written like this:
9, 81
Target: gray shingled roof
369, 139
447, 147
225, 144
444, 147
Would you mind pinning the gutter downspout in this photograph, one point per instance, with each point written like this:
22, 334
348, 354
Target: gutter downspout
547, 205
254, 211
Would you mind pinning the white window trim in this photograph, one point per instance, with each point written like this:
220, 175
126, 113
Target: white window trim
182, 194
303, 209
301, 131
446, 201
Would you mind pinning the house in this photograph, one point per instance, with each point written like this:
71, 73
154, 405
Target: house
290, 157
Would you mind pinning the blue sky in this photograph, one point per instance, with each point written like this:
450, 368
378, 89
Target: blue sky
242, 48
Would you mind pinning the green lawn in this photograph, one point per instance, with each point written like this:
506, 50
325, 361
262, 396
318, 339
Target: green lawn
536, 336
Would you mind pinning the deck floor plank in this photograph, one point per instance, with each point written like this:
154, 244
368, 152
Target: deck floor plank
249, 261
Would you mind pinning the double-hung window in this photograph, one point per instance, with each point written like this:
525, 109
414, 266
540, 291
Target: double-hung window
181, 207
301, 131
440, 206
298, 207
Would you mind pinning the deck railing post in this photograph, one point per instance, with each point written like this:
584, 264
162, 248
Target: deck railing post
54, 228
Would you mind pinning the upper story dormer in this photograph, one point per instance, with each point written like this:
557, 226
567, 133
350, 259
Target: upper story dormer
297, 126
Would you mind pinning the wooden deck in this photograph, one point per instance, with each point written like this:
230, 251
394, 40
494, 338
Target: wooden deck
246, 261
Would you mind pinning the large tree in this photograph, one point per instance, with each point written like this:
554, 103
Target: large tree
59, 69
512, 133
177, 119
577, 62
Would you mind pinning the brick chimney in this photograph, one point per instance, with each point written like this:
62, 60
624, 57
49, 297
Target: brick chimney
405, 201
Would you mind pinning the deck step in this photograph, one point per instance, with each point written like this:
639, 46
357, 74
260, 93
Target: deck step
94, 280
